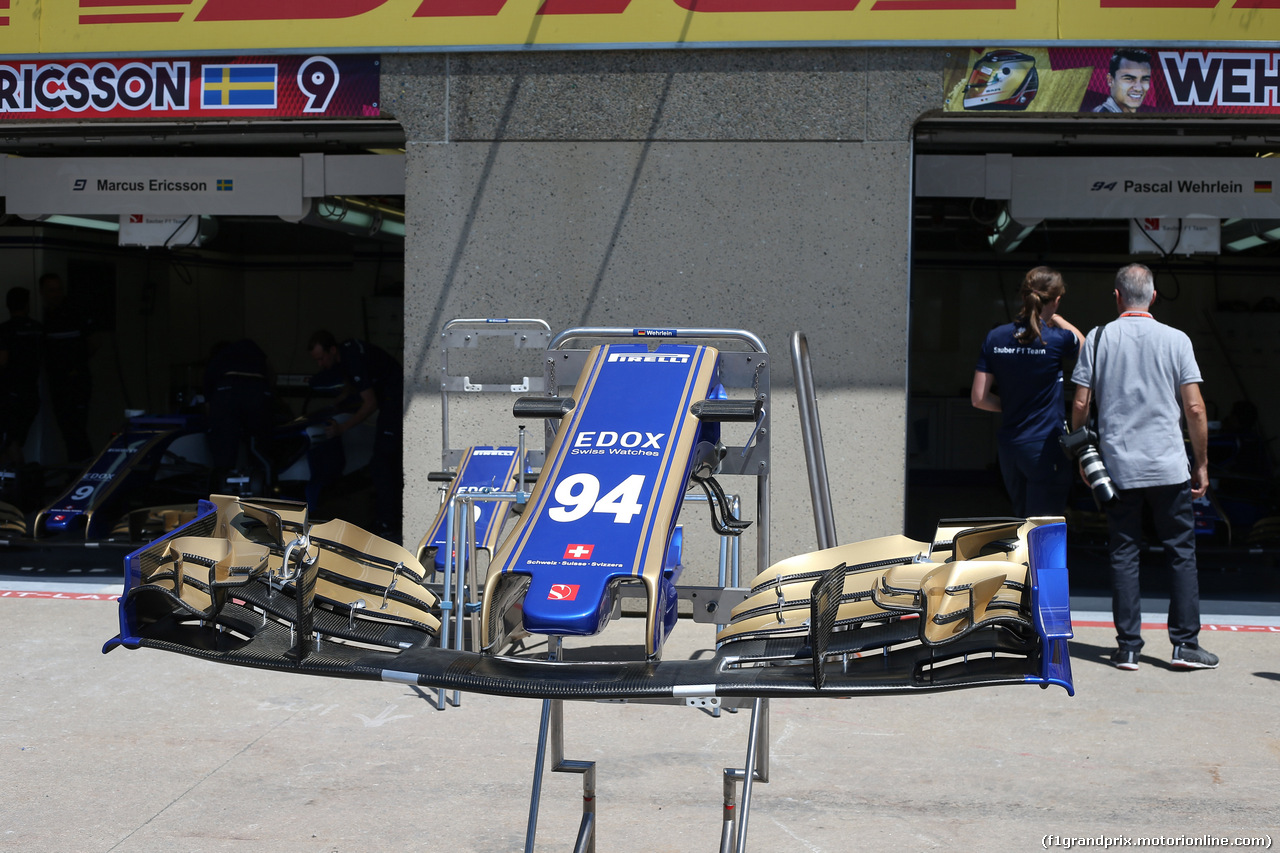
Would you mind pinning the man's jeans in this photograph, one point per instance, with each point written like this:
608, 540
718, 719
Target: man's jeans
1175, 526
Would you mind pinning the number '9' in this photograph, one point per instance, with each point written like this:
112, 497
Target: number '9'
318, 79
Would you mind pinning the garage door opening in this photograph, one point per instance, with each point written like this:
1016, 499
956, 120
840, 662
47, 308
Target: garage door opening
970, 252
163, 293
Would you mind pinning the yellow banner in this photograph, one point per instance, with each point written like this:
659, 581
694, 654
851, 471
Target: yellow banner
1143, 22
82, 28
146, 27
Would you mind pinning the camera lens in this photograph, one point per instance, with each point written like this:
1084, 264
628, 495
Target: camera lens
1095, 474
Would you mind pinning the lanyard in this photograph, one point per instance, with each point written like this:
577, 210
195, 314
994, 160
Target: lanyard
1137, 314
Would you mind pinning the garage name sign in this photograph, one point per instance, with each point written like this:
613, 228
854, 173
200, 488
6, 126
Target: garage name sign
1039, 188
152, 185
263, 186
1129, 187
149, 27
264, 87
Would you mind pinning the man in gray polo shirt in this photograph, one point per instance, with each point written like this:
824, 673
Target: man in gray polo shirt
1144, 380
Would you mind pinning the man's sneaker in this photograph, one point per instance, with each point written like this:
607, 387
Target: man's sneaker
1188, 656
1125, 659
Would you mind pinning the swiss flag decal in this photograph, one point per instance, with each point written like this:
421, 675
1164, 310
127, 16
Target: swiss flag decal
563, 592
578, 552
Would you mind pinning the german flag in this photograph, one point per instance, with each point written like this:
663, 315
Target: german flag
1262, 186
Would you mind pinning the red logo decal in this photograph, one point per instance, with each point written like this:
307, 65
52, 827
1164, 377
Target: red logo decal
137, 217
563, 592
943, 5
578, 552
1157, 4
284, 10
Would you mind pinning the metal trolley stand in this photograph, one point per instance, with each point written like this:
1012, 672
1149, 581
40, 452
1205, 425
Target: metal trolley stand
458, 598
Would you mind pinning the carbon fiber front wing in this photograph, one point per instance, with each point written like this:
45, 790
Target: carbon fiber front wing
345, 612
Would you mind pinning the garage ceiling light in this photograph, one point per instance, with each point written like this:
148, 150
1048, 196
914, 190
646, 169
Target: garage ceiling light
111, 224
1241, 234
1008, 233
352, 215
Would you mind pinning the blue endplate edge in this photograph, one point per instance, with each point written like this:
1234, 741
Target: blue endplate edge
1051, 603
128, 636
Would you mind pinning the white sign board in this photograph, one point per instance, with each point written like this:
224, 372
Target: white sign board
1140, 187
149, 229
263, 186
1175, 236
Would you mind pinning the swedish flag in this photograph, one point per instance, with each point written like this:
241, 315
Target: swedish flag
225, 185
224, 86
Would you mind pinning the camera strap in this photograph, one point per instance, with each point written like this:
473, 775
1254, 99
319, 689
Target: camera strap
1092, 420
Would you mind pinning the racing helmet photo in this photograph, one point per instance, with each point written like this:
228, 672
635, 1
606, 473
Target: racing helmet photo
1002, 80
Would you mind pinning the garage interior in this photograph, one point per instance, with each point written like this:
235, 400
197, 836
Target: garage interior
967, 266
159, 311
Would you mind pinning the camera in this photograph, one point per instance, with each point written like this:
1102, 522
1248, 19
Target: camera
1082, 445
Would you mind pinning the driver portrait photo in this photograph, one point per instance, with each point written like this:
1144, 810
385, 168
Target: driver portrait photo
1129, 81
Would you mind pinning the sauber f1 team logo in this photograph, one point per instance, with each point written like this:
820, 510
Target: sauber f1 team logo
563, 592
578, 552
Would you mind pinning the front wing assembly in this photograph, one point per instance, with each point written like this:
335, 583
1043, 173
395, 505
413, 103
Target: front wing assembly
249, 583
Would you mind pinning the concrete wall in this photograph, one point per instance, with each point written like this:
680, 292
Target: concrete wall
765, 190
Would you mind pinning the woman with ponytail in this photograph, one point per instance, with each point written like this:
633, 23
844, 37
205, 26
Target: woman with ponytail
1024, 358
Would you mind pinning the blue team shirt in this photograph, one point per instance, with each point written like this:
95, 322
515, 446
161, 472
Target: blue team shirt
1029, 379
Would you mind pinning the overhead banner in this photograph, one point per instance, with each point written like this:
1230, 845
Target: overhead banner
261, 87
1115, 81
148, 27
1162, 21
82, 28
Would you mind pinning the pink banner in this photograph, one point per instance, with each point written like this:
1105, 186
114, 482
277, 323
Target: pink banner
256, 86
1124, 80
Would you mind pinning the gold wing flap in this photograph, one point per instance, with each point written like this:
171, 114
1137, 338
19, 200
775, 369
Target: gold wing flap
813, 564
291, 513
187, 597
795, 620
198, 599
786, 593
966, 538
375, 605
13, 525
959, 597
231, 561
899, 586
358, 575
952, 599
338, 572
260, 519
9, 512
372, 552
997, 539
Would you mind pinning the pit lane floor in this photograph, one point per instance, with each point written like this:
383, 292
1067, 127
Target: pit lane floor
147, 752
